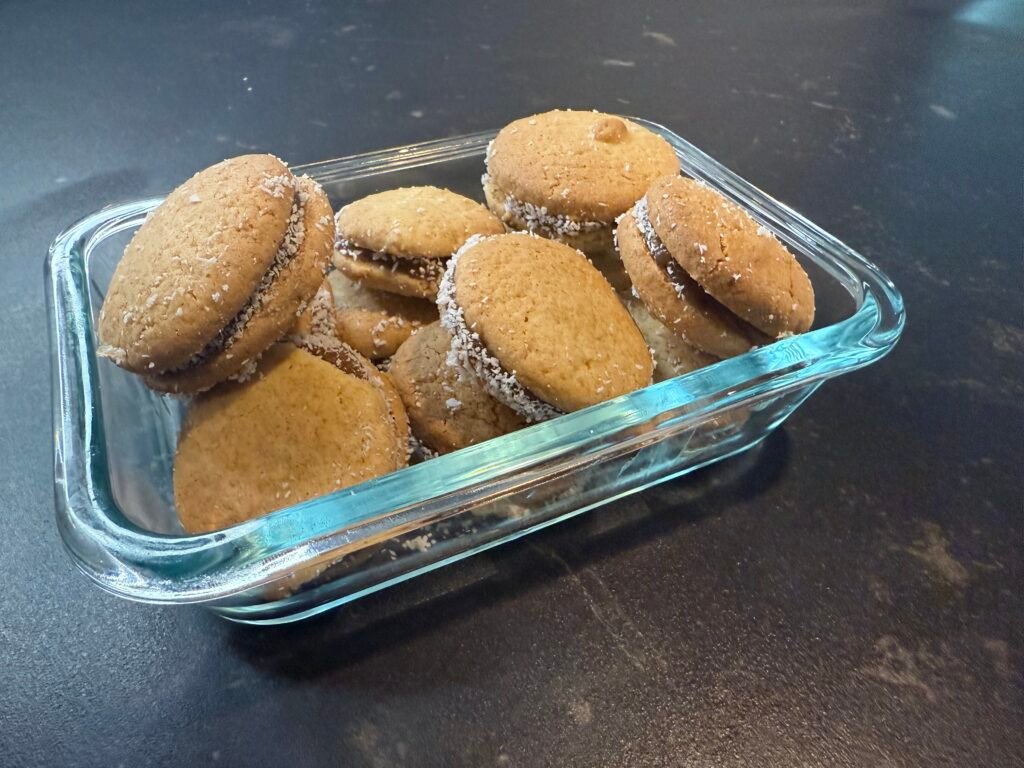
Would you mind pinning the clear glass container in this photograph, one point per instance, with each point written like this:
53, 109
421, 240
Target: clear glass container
114, 439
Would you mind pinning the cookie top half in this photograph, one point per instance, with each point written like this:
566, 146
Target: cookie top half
415, 222
300, 428
548, 317
195, 262
737, 261
585, 165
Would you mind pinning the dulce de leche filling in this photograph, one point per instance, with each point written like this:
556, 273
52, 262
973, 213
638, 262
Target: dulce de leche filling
416, 267
469, 353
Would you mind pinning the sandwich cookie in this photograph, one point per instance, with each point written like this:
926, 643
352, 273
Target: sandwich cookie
399, 240
217, 273
673, 296
305, 425
567, 175
539, 326
672, 355
734, 259
448, 408
376, 323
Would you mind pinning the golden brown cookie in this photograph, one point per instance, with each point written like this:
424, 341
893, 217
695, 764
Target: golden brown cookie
275, 307
376, 323
216, 274
674, 298
346, 359
448, 408
540, 326
672, 355
567, 175
399, 240
737, 261
300, 428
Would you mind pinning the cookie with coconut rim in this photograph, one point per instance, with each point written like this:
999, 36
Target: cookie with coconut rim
309, 422
673, 296
448, 408
376, 323
567, 175
539, 326
737, 261
216, 274
399, 240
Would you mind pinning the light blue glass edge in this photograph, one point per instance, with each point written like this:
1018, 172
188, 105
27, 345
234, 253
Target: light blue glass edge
144, 566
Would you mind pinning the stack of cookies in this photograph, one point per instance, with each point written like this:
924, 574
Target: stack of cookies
594, 269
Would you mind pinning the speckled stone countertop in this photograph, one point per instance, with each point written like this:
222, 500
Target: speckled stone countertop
848, 594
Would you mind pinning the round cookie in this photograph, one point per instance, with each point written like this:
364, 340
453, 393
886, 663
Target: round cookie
275, 307
738, 262
540, 326
376, 323
299, 429
674, 298
216, 274
448, 408
399, 240
567, 175
672, 355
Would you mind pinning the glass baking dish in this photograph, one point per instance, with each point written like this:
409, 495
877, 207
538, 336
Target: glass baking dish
114, 439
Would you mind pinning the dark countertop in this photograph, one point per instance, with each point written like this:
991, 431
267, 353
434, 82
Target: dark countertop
849, 594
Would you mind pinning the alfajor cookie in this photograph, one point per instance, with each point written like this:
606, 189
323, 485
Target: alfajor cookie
448, 408
376, 323
568, 175
305, 425
735, 260
540, 326
399, 240
672, 355
673, 296
216, 274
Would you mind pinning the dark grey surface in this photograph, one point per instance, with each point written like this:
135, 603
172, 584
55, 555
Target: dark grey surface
850, 594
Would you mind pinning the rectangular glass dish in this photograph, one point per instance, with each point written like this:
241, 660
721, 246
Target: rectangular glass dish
114, 439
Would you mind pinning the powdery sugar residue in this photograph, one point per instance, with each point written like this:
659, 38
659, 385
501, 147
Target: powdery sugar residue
468, 353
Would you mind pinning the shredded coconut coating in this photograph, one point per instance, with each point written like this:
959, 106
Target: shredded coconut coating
469, 353
657, 249
538, 219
